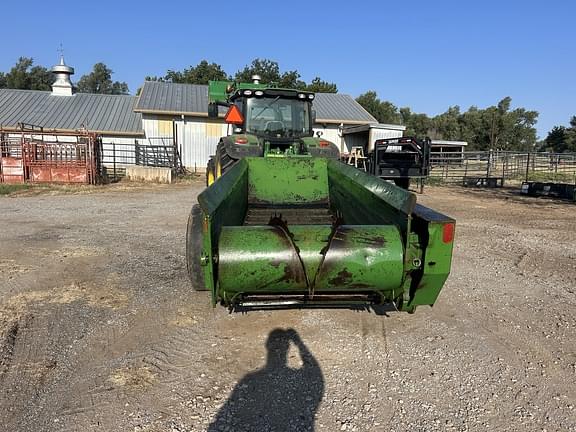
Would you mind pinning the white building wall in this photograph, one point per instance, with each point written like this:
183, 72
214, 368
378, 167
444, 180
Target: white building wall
366, 140
197, 140
330, 132
197, 137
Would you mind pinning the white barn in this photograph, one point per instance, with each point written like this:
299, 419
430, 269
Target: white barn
182, 110
164, 114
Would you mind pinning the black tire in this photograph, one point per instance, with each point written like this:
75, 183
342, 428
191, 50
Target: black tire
404, 183
210, 172
194, 249
223, 160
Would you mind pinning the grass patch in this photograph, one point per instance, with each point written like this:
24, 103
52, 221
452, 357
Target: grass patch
551, 177
434, 181
7, 189
31, 189
189, 177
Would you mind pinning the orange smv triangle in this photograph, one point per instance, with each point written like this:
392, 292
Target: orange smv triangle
234, 115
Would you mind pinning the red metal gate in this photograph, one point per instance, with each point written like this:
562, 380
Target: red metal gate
47, 157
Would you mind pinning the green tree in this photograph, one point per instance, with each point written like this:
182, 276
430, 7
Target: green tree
199, 74
26, 76
154, 78
100, 81
472, 129
418, 125
562, 139
319, 86
510, 129
556, 140
382, 111
268, 70
291, 80
571, 136
19, 75
446, 126
41, 78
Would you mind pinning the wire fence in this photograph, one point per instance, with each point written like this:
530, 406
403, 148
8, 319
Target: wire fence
496, 168
155, 152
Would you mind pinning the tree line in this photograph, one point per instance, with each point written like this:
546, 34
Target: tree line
268, 70
25, 75
496, 127
562, 139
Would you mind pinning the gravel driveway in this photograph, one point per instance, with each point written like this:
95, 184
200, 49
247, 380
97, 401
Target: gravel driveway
99, 329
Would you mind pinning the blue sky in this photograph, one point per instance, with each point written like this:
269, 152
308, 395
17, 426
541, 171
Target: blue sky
427, 55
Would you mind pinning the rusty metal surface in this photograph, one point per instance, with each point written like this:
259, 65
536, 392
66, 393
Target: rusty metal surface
11, 170
37, 157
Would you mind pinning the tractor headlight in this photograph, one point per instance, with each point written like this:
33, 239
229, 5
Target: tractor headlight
301, 96
310, 96
247, 92
259, 93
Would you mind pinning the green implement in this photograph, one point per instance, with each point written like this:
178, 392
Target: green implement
300, 229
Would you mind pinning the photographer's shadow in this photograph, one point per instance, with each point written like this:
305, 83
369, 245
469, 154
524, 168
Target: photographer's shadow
276, 397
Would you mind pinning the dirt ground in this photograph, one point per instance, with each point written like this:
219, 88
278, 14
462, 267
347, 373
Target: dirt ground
99, 328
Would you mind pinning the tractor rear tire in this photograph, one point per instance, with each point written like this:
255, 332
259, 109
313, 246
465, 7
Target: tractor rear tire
223, 161
194, 249
210, 172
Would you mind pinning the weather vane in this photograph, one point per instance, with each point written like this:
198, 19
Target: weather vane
61, 51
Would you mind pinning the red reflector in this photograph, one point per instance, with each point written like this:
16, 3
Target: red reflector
234, 115
448, 233
241, 141
324, 143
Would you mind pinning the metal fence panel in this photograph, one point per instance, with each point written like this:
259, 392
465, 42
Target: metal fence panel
510, 167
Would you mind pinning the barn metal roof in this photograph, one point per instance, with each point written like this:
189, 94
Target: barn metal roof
340, 108
113, 114
191, 99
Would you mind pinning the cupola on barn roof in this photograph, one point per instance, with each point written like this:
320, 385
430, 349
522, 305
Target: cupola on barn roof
63, 85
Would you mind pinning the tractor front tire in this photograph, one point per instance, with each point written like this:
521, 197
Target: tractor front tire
194, 249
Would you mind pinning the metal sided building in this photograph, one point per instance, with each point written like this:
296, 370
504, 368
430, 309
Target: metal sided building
61, 110
182, 110
111, 116
366, 135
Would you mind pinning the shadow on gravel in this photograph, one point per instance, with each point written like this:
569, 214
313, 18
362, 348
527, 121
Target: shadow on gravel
276, 397
512, 193
382, 309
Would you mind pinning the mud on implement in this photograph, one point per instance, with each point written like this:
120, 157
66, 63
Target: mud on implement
279, 231
283, 222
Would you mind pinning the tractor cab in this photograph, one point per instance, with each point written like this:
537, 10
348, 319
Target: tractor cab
278, 117
264, 121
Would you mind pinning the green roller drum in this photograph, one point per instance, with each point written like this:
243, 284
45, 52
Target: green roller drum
306, 230
309, 260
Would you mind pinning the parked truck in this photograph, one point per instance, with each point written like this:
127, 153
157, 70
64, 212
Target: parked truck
399, 159
284, 222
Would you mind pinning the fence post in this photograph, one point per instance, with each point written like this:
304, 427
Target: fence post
527, 166
504, 163
114, 159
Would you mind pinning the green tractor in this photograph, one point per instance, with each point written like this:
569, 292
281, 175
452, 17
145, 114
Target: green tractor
284, 222
265, 121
